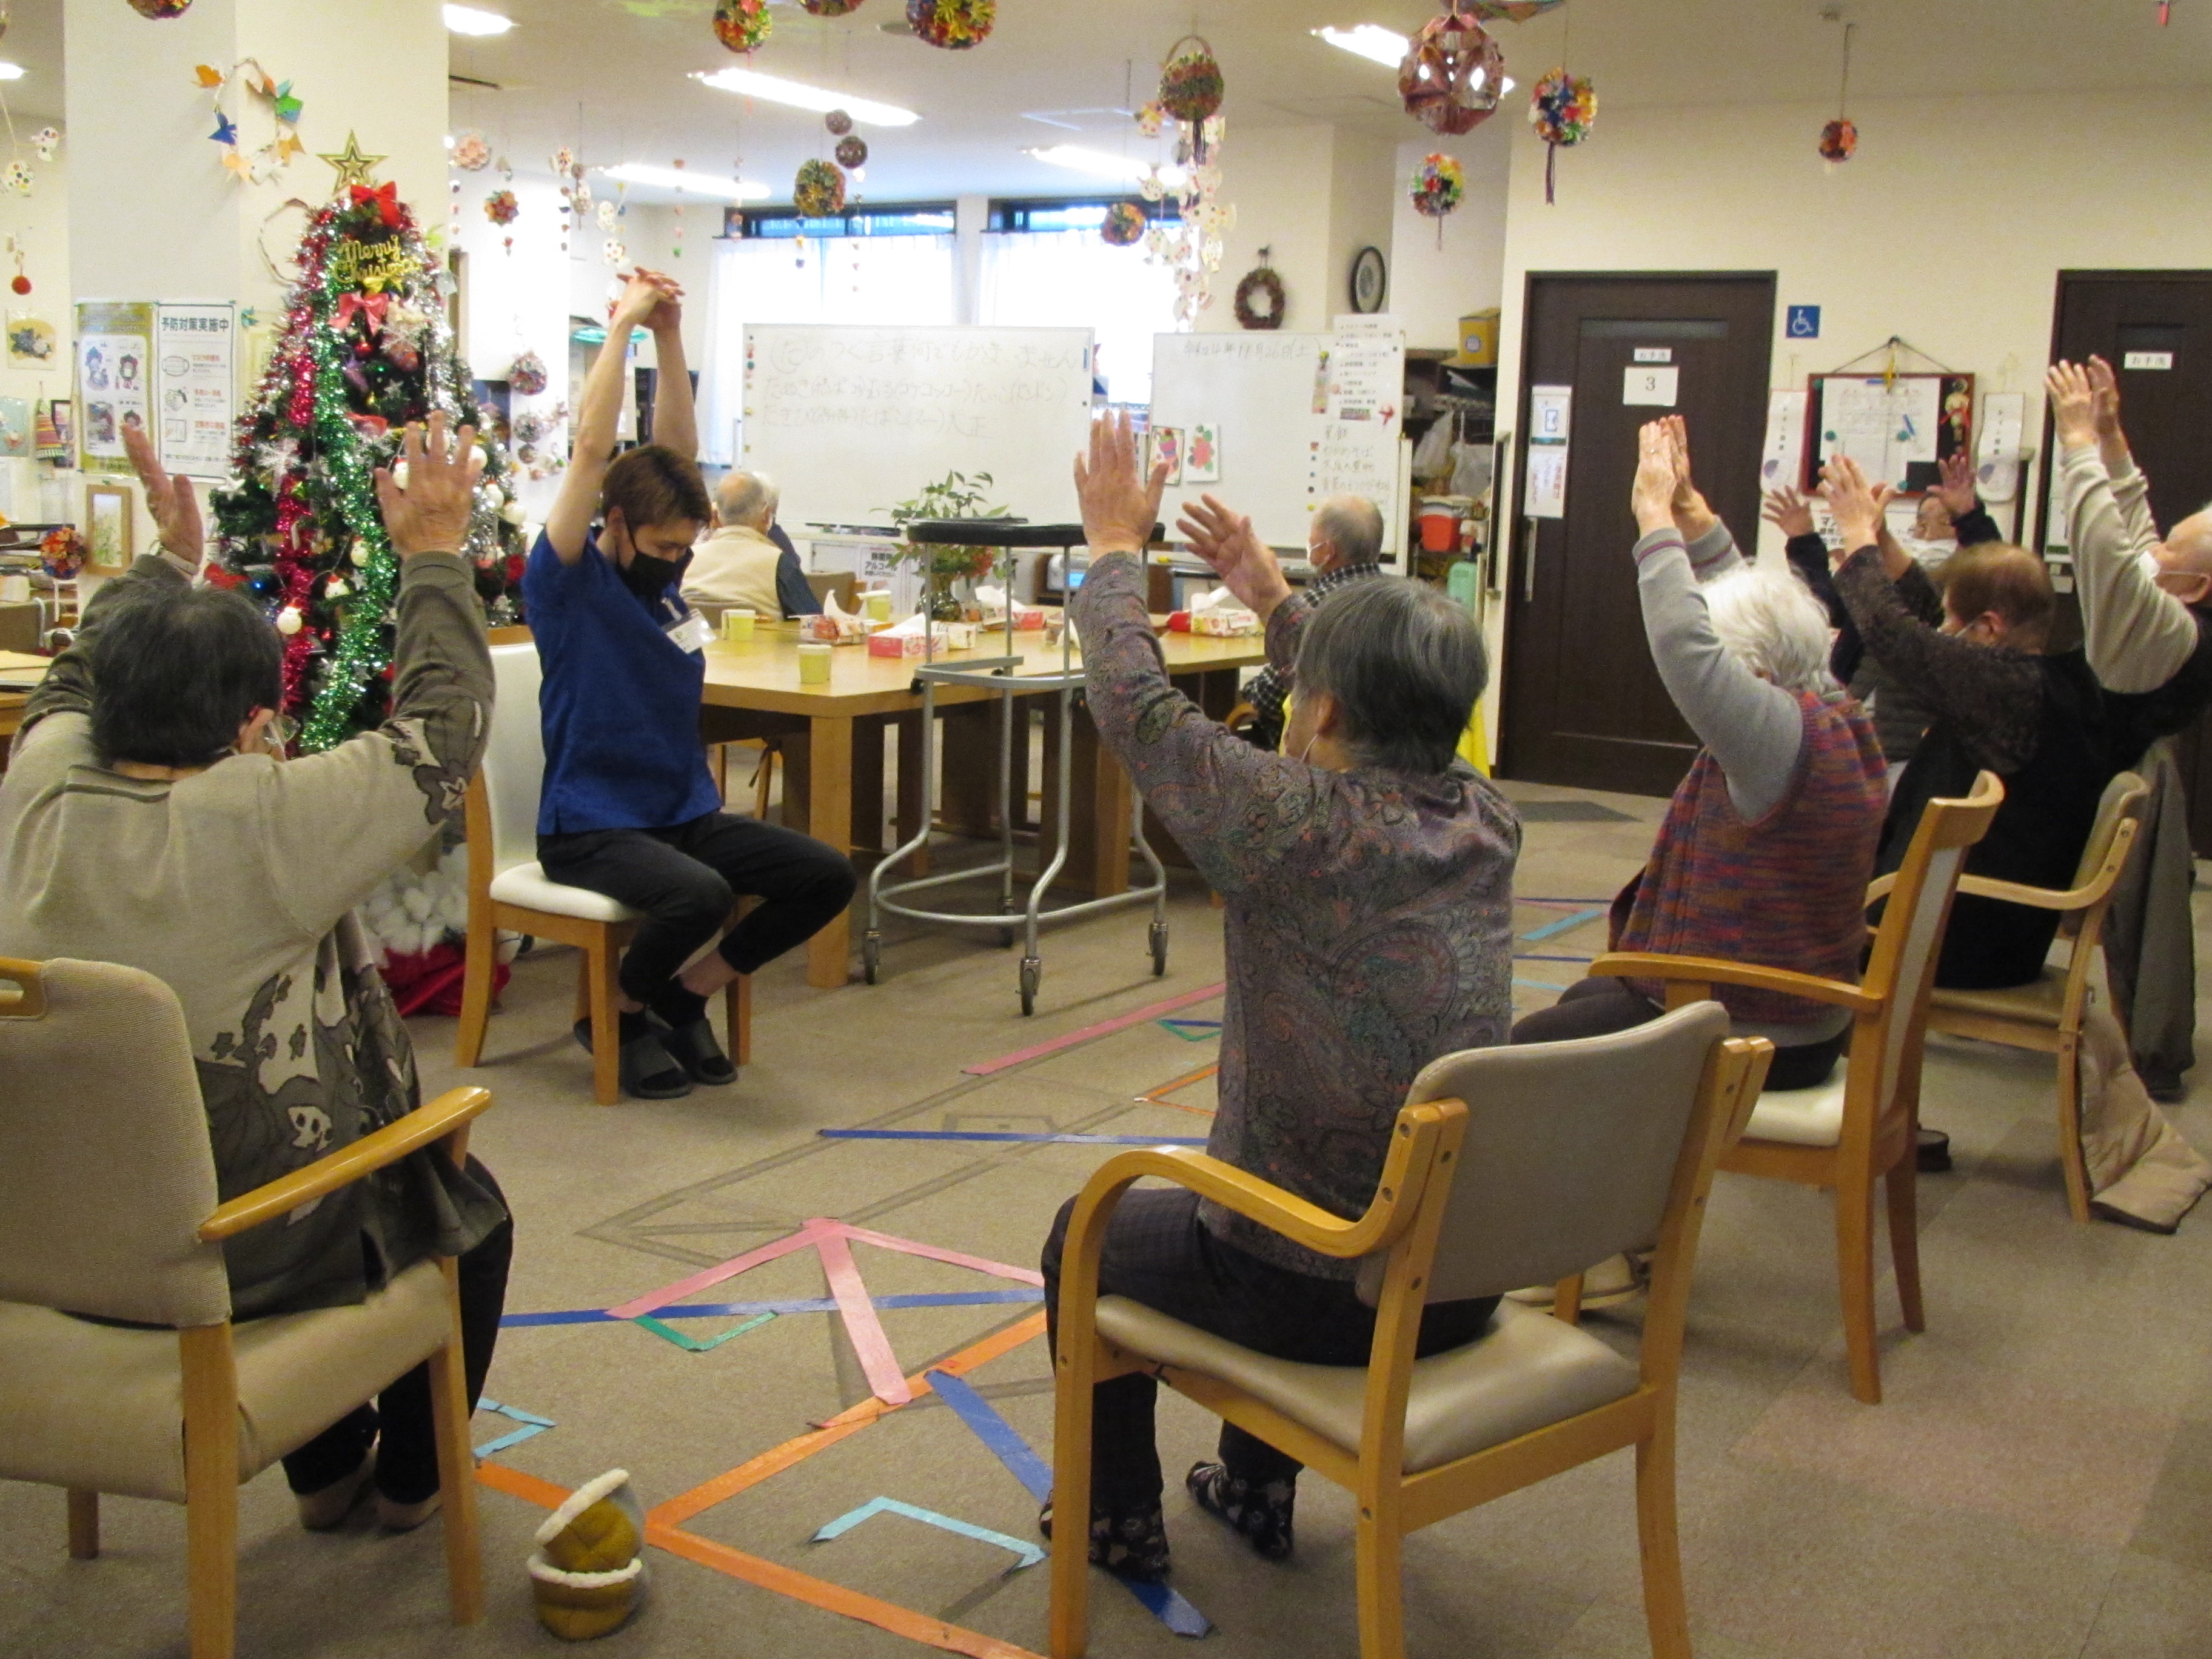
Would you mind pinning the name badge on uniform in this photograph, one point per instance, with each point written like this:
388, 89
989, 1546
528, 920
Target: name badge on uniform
691, 634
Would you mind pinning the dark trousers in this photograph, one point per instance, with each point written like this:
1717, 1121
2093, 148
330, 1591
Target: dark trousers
686, 879
1598, 1008
407, 1452
1158, 1253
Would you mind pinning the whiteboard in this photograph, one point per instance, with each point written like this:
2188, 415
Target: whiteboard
1278, 403
849, 420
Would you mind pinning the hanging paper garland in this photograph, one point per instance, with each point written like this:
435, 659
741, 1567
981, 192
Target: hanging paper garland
1124, 224
1437, 185
1260, 282
158, 9
500, 207
955, 25
1453, 76
47, 141
818, 190
852, 152
16, 177
1191, 82
1152, 120
742, 25
1839, 140
526, 376
1563, 110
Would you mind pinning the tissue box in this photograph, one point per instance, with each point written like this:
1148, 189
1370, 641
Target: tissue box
1228, 624
896, 645
826, 630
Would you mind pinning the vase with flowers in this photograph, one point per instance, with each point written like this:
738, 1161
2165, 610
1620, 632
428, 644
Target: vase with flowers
956, 495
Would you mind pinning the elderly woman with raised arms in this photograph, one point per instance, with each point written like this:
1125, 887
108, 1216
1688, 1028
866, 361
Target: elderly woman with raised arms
1368, 875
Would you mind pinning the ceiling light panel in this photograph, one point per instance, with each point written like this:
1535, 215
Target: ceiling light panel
1369, 40
691, 183
474, 19
751, 83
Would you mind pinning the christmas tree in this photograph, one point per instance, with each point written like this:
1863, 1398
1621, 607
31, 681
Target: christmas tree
365, 349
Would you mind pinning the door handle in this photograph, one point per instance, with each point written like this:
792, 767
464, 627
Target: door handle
1530, 529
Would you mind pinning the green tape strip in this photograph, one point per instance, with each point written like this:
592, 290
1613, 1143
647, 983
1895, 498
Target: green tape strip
695, 1345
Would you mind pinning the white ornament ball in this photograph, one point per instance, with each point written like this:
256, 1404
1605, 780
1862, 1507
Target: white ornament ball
514, 512
288, 620
337, 589
360, 556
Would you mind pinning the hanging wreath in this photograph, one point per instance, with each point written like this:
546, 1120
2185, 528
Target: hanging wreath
1124, 224
818, 190
1437, 185
742, 25
1190, 80
852, 152
1454, 74
500, 207
526, 376
1839, 140
1260, 282
954, 25
1563, 110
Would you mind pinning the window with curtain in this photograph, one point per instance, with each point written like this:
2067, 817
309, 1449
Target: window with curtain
1072, 278
896, 280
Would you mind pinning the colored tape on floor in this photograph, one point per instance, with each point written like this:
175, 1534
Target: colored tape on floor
1559, 904
1029, 1554
654, 1301
1006, 1136
1192, 1030
1001, 1437
1166, 1605
878, 1362
512, 1437
1104, 1028
695, 1345
804, 1306
1531, 956
1564, 925
531, 1423
1537, 984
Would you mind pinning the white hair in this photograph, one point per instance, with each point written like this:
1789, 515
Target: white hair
749, 498
1768, 621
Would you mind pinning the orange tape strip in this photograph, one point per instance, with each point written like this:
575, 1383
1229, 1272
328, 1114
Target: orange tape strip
1153, 1097
832, 1598
515, 1484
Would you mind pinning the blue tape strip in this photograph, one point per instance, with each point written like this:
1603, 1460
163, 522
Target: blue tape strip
811, 1304
1167, 1606
1531, 956
1029, 1553
1005, 1134
515, 1438
1192, 1030
1003, 1440
1564, 924
1537, 984
514, 1412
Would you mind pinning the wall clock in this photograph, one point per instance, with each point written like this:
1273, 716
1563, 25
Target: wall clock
1370, 281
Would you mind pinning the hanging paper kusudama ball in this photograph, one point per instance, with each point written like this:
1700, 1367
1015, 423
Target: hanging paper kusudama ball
852, 152
16, 177
1190, 80
819, 190
1453, 76
1437, 185
838, 122
1514, 11
830, 8
526, 376
742, 25
158, 9
1124, 225
1563, 108
471, 153
955, 25
500, 207
1839, 140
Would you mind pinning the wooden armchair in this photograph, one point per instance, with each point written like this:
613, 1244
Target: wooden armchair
1506, 1166
1861, 1126
2046, 1015
107, 1209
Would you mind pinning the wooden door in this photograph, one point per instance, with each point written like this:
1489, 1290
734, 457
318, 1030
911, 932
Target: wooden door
1584, 705
2162, 321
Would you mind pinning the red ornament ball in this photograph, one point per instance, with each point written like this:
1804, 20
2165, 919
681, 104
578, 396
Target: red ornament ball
742, 25
1124, 224
1839, 140
852, 152
22, 284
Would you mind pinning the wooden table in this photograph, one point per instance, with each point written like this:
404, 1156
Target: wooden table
16, 665
753, 691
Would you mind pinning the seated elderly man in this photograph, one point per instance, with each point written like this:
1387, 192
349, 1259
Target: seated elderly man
1344, 545
151, 818
1767, 848
740, 563
1368, 880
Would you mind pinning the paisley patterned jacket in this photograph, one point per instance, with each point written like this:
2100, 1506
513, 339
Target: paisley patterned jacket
1369, 919
236, 887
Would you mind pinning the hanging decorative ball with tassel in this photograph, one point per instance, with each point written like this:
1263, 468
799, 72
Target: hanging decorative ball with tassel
852, 152
1124, 224
742, 25
1839, 140
1191, 83
818, 190
1562, 109
954, 25
1454, 74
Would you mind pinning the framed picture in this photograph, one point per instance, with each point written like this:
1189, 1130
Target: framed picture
107, 526
30, 341
55, 435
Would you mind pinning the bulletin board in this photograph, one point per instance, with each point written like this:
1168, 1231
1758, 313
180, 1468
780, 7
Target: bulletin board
1897, 427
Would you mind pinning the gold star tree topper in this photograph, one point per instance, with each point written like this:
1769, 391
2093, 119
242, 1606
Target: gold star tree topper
352, 165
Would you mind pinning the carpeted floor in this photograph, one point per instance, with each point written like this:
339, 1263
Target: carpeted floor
2038, 1483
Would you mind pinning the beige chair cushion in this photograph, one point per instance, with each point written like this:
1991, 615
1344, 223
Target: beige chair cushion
1531, 1372
525, 885
101, 1408
1801, 1117
2040, 1002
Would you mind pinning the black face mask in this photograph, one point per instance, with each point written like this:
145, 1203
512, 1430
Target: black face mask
649, 578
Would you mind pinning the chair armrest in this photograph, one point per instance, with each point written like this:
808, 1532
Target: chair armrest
1881, 888
1397, 1196
1711, 971
448, 1115
2043, 898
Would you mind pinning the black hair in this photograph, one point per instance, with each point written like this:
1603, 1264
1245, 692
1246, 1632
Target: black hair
653, 485
176, 672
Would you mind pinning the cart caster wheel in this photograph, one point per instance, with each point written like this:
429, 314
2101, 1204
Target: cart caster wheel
872, 951
1159, 949
1006, 939
1032, 972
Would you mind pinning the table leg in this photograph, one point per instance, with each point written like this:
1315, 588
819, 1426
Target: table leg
1100, 779
868, 784
798, 782
830, 819
909, 788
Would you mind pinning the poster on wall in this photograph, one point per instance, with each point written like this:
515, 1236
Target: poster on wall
114, 376
194, 385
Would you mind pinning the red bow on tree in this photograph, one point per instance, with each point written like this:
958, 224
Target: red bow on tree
370, 307
386, 197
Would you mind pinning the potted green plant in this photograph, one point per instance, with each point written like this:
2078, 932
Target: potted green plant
956, 495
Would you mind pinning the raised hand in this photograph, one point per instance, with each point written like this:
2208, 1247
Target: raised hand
1651, 497
649, 300
1120, 505
175, 508
1227, 541
1694, 517
2105, 387
1957, 489
1857, 508
1788, 511
430, 513
2073, 404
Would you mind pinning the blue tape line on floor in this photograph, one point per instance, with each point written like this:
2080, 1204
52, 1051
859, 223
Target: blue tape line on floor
1030, 1554
1564, 924
1192, 1030
1003, 1440
1537, 984
809, 1304
1167, 1605
513, 1438
1007, 1135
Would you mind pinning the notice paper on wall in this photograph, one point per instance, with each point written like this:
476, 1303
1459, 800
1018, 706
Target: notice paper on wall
1997, 468
114, 376
1885, 425
1646, 384
194, 387
1551, 424
1786, 440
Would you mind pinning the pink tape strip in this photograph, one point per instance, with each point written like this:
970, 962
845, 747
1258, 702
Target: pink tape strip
1106, 1028
654, 1301
907, 1246
874, 1348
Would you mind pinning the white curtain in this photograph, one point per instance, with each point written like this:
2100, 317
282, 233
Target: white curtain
896, 280
1074, 279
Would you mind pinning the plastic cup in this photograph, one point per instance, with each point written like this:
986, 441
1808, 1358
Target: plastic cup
737, 625
814, 665
878, 603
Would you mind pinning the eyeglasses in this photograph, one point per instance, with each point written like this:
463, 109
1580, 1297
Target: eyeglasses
283, 730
